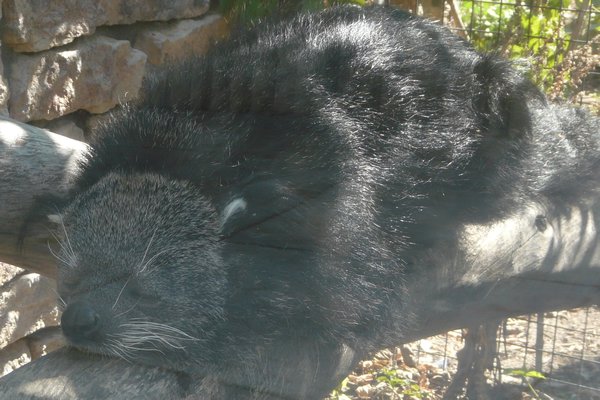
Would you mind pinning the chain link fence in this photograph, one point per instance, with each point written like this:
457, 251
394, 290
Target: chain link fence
556, 42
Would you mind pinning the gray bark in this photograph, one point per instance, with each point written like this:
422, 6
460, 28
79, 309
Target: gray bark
71, 375
33, 163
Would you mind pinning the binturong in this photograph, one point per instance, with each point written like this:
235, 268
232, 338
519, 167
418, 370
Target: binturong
252, 219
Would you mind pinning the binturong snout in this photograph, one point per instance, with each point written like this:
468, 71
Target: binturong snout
80, 322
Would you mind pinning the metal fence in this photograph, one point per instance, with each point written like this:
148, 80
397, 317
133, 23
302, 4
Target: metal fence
547, 356
553, 355
556, 41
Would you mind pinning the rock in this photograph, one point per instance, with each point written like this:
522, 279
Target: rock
366, 365
27, 304
440, 380
129, 11
45, 341
175, 41
352, 378
93, 74
381, 389
364, 379
425, 345
65, 126
364, 392
8, 272
14, 356
379, 364
411, 374
384, 354
33, 25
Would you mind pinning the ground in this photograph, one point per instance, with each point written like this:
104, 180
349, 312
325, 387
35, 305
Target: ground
569, 358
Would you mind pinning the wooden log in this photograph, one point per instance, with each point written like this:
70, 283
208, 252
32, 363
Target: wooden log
532, 262
71, 375
537, 260
33, 163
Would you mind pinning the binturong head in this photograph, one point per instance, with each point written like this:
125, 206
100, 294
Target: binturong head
140, 275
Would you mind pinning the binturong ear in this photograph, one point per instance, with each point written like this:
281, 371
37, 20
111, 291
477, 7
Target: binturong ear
502, 99
45, 208
232, 210
55, 218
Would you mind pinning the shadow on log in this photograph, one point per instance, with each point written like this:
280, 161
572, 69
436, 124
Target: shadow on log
525, 264
535, 261
70, 375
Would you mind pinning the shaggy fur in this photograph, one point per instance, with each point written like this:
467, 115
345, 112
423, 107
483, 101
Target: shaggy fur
252, 219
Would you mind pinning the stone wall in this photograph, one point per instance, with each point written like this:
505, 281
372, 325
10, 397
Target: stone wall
64, 62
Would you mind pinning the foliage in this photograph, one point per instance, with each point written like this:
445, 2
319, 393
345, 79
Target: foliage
527, 374
402, 385
248, 11
337, 393
544, 33
396, 386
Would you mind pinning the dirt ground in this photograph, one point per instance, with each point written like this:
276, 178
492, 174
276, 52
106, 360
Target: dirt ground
551, 356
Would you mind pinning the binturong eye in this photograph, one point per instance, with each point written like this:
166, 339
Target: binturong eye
68, 284
141, 294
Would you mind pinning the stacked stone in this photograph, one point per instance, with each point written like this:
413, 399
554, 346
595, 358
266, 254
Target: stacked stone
91, 55
63, 62
28, 317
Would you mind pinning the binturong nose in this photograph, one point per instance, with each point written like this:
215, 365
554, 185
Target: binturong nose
80, 321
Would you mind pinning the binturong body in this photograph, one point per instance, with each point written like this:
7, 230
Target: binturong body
251, 221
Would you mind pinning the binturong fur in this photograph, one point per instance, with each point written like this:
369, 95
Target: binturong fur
251, 220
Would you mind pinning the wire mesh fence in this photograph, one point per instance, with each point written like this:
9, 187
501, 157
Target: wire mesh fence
547, 356
557, 42
553, 355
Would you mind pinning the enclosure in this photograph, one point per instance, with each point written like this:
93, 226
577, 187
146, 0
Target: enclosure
549, 354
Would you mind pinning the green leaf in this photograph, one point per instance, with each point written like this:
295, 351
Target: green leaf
535, 374
525, 373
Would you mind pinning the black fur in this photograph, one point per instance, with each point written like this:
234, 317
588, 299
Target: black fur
286, 183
